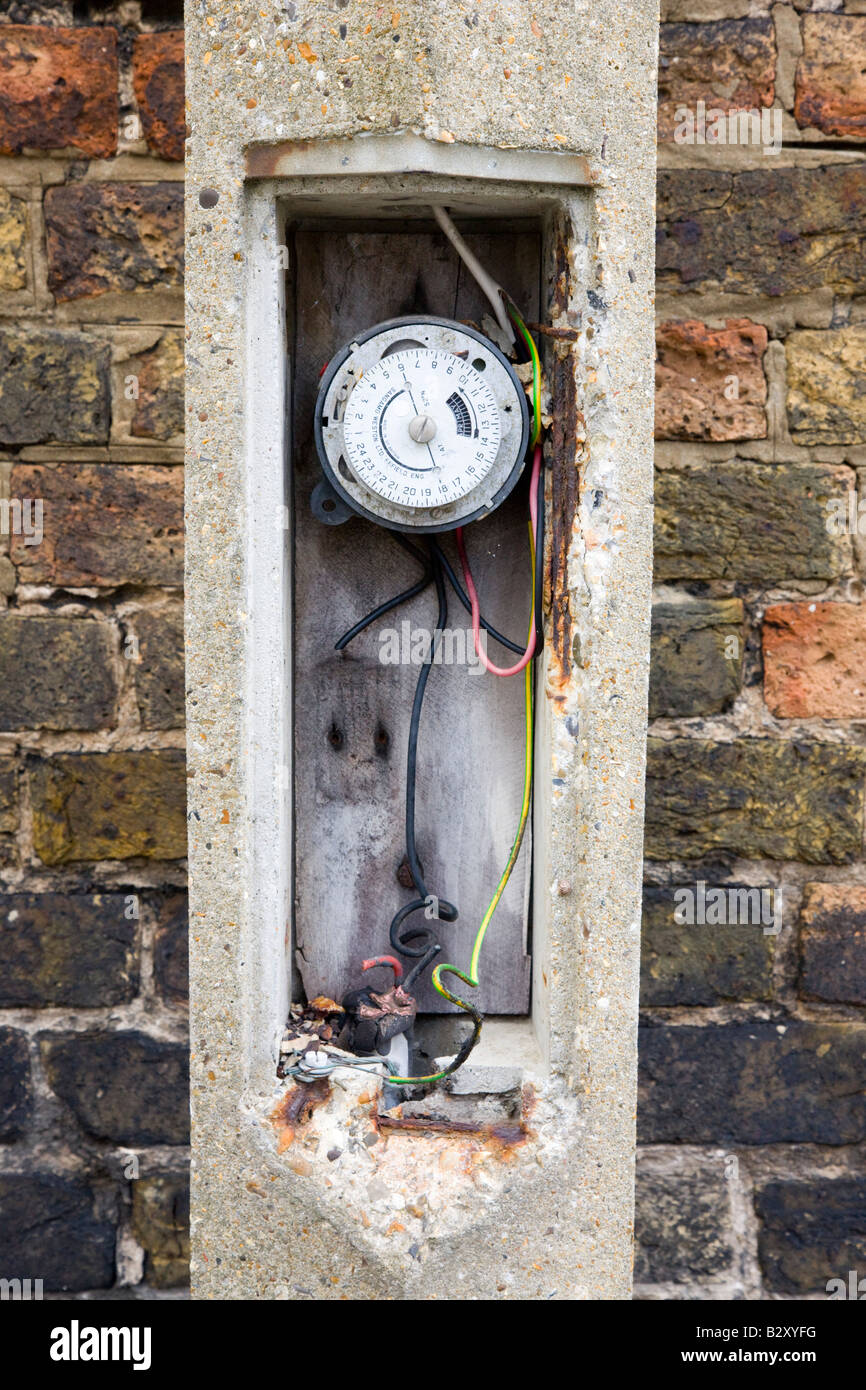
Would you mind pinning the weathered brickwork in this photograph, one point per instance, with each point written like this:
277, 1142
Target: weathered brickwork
811, 1233
729, 64
826, 398
53, 387
93, 806
76, 950
44, 1219
125, 1087
158, 411
697, 656
833, 943
753, 1083
103, 525
684, 1227
101, 237
831, 84
763, 231
710, 383
751, 1117
158, 79
93, 1018
58, 673
13, 242
815, 660
160, 1223
763, 523
705, 963
59, 89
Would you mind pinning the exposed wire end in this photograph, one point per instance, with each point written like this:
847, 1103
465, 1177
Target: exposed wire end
384, 960
495, 293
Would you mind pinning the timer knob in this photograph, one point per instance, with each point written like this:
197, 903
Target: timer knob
423, 429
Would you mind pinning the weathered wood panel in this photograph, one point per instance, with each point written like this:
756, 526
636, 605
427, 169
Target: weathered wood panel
351, 710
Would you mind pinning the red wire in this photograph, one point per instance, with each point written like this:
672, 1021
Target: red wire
473, 596
384, 960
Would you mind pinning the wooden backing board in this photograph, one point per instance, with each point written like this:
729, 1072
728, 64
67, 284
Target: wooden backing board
351, 710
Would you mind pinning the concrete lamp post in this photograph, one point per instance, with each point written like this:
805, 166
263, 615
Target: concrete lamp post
317, 132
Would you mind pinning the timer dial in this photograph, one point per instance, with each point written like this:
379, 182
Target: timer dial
422, 428
421, 424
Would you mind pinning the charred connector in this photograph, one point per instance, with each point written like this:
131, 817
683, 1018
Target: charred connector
373, 1019
369, 1027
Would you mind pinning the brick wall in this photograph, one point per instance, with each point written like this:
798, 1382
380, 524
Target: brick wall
93, 1035
752, 1113
753, 1047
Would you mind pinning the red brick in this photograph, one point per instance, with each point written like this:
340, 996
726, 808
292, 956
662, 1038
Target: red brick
58, 87
157, 74
102, 525
694, 367
833, 943
815, 660
729, 64
113, 237
830, 92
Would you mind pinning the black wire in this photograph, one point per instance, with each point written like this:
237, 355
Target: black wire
414, 725
420, 943
464, 599
402, 539
386, 607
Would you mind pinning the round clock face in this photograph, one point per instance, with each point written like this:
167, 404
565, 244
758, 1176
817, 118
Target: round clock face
421, 425
422, 428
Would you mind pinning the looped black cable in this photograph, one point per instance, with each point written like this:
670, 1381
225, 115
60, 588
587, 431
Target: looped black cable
423, 954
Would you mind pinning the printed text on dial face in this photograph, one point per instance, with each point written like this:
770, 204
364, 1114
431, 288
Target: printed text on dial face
435, 385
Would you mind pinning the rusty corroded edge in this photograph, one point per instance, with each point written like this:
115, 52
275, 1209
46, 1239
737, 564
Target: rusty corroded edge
405, 152
564, 492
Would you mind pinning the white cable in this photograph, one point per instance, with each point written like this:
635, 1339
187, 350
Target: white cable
476, 269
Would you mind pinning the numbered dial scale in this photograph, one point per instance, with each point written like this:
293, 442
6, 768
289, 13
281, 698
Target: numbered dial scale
421, 424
